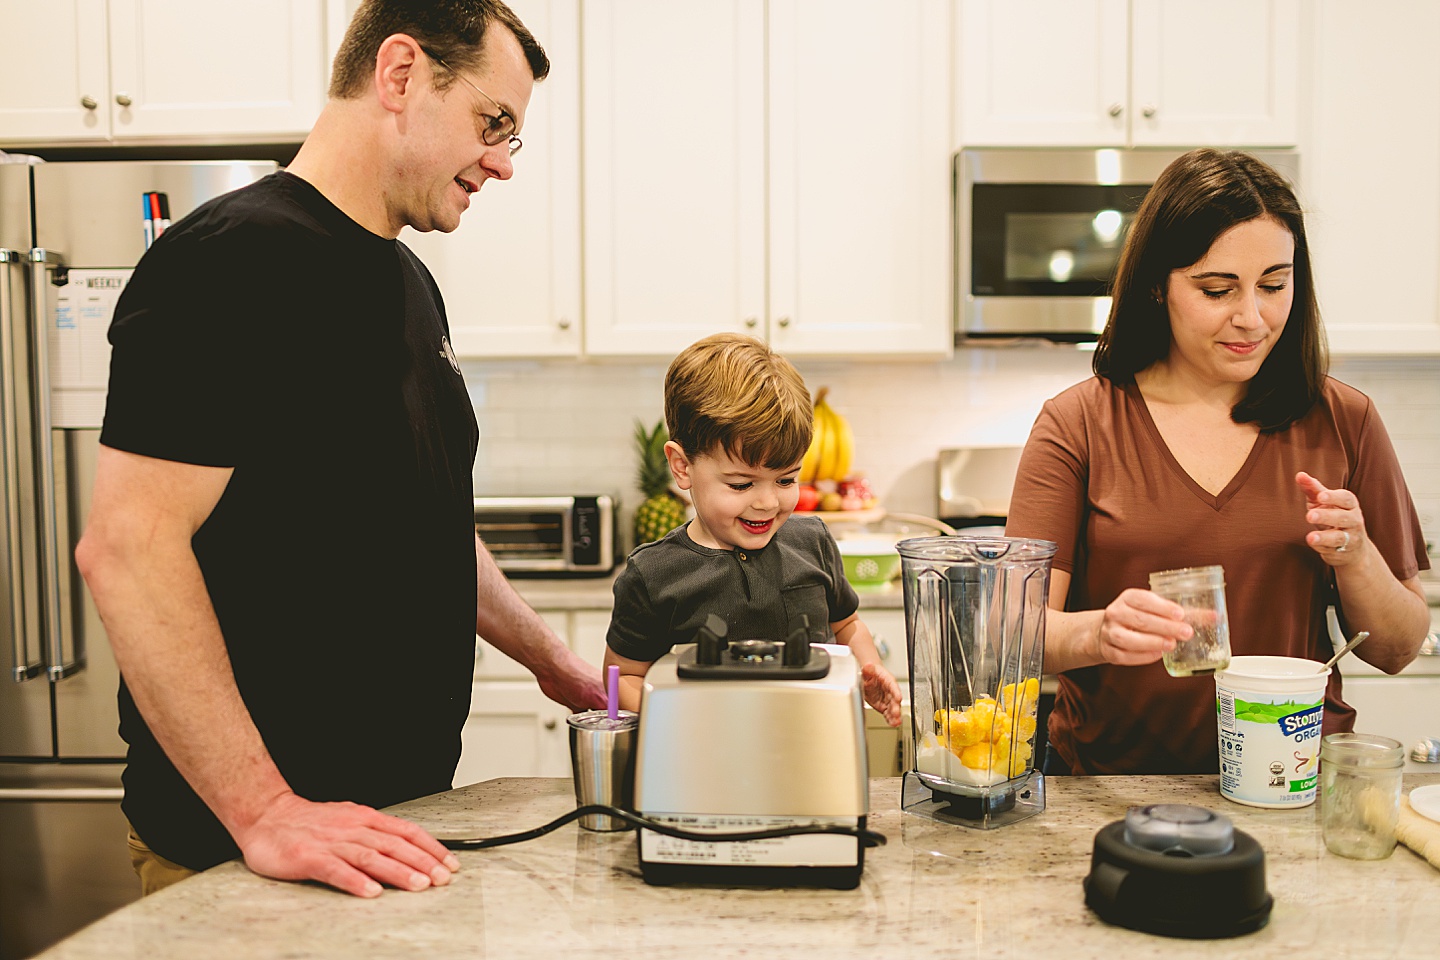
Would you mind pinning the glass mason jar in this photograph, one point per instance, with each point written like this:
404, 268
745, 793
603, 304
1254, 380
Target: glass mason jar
1360, 794
1201, 592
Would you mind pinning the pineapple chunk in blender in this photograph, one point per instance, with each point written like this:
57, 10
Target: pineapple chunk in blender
959, 729
1021, 697
993, 736
1002, 756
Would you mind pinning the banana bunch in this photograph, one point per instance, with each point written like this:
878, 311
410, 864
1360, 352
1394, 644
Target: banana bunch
831, 446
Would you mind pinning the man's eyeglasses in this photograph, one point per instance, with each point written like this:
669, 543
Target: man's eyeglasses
496, 129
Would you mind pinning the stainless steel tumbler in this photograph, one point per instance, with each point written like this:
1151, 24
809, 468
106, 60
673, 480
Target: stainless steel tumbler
602, 762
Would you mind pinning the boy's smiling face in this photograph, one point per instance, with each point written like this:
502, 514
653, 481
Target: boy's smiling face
737, 505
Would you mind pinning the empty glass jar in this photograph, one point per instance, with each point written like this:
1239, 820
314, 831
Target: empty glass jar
1360, 794
1201, 591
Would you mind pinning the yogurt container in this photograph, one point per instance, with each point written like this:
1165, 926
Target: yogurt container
1270, 711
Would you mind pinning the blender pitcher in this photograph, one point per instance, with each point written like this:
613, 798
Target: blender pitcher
975, 628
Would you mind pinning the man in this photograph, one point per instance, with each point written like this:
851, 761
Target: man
281, 541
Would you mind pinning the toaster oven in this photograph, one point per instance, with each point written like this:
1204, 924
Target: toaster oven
558, 536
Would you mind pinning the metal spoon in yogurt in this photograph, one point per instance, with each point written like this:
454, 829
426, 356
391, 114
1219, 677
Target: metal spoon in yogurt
1354, 642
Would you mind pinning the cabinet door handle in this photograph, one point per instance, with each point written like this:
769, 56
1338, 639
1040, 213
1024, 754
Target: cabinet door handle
783, 322
750, 322
551, 724
563, 323
1149, 111
89, 102
123, 99
1115, 110
882, 647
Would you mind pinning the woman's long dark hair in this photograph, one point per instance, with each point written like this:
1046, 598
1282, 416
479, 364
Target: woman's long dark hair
1197, 198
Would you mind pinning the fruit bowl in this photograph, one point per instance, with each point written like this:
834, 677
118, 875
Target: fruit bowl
869, 563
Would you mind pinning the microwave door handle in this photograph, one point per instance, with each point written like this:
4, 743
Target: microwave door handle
25, 662
60, 662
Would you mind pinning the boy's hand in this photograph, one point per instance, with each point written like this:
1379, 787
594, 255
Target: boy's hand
881, 692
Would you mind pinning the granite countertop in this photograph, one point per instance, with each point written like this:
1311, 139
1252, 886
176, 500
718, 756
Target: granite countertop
933, 891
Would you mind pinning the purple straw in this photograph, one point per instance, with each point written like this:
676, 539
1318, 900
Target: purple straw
612, 691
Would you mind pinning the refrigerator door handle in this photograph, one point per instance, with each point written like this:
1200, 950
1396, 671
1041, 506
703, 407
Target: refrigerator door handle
63, 658
25, 663
33, 794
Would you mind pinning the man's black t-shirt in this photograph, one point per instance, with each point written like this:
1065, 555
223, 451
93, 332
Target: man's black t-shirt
270, 333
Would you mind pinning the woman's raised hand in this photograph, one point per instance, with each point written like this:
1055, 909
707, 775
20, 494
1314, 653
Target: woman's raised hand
1339, 536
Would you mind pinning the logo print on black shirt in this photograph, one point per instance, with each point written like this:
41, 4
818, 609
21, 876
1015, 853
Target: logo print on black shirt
449, 354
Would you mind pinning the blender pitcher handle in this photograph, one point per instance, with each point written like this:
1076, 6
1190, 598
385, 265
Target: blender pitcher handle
934, 587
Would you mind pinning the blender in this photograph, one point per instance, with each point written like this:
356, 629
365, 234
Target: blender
975, 629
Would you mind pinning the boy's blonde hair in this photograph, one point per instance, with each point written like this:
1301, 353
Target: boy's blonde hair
733, 393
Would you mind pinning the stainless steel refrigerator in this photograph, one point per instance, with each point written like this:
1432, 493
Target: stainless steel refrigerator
69, 235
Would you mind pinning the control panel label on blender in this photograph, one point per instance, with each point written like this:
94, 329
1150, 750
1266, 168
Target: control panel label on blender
815, 850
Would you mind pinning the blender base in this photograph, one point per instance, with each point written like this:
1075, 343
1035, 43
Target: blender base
979, 808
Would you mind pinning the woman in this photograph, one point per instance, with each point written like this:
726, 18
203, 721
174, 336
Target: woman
1211, 434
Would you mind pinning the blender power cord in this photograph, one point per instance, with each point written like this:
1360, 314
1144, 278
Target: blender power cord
867, 837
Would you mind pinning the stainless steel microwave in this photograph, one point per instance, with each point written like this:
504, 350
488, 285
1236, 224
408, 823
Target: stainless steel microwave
1039, 234
560, 536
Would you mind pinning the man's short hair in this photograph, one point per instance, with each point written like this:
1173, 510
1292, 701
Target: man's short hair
450, 30
732, 393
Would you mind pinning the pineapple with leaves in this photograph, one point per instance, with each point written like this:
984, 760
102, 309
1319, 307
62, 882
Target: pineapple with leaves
662, 511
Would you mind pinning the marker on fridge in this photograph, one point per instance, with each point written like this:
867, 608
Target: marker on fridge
155, 217
148, 223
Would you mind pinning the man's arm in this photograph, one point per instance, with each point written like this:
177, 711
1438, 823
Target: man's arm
506, 622
137, 559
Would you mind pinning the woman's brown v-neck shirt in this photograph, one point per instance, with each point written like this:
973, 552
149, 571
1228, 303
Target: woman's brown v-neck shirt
1097, 479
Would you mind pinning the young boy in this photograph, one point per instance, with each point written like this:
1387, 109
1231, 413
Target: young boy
740, 421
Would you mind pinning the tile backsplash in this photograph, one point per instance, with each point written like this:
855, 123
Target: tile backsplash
565, 426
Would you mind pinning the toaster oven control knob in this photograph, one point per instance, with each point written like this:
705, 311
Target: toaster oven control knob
710, 640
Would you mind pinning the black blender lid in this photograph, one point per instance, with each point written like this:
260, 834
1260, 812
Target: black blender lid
1178, 871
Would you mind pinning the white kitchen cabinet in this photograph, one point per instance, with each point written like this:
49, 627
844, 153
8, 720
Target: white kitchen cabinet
888, 629
788, 177
1370, 175
587, 635
674, 152
1404, 707
1128, 73
123, 70
859, 179
513, 730
510, 274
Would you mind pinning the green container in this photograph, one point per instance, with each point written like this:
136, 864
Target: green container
869, 563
